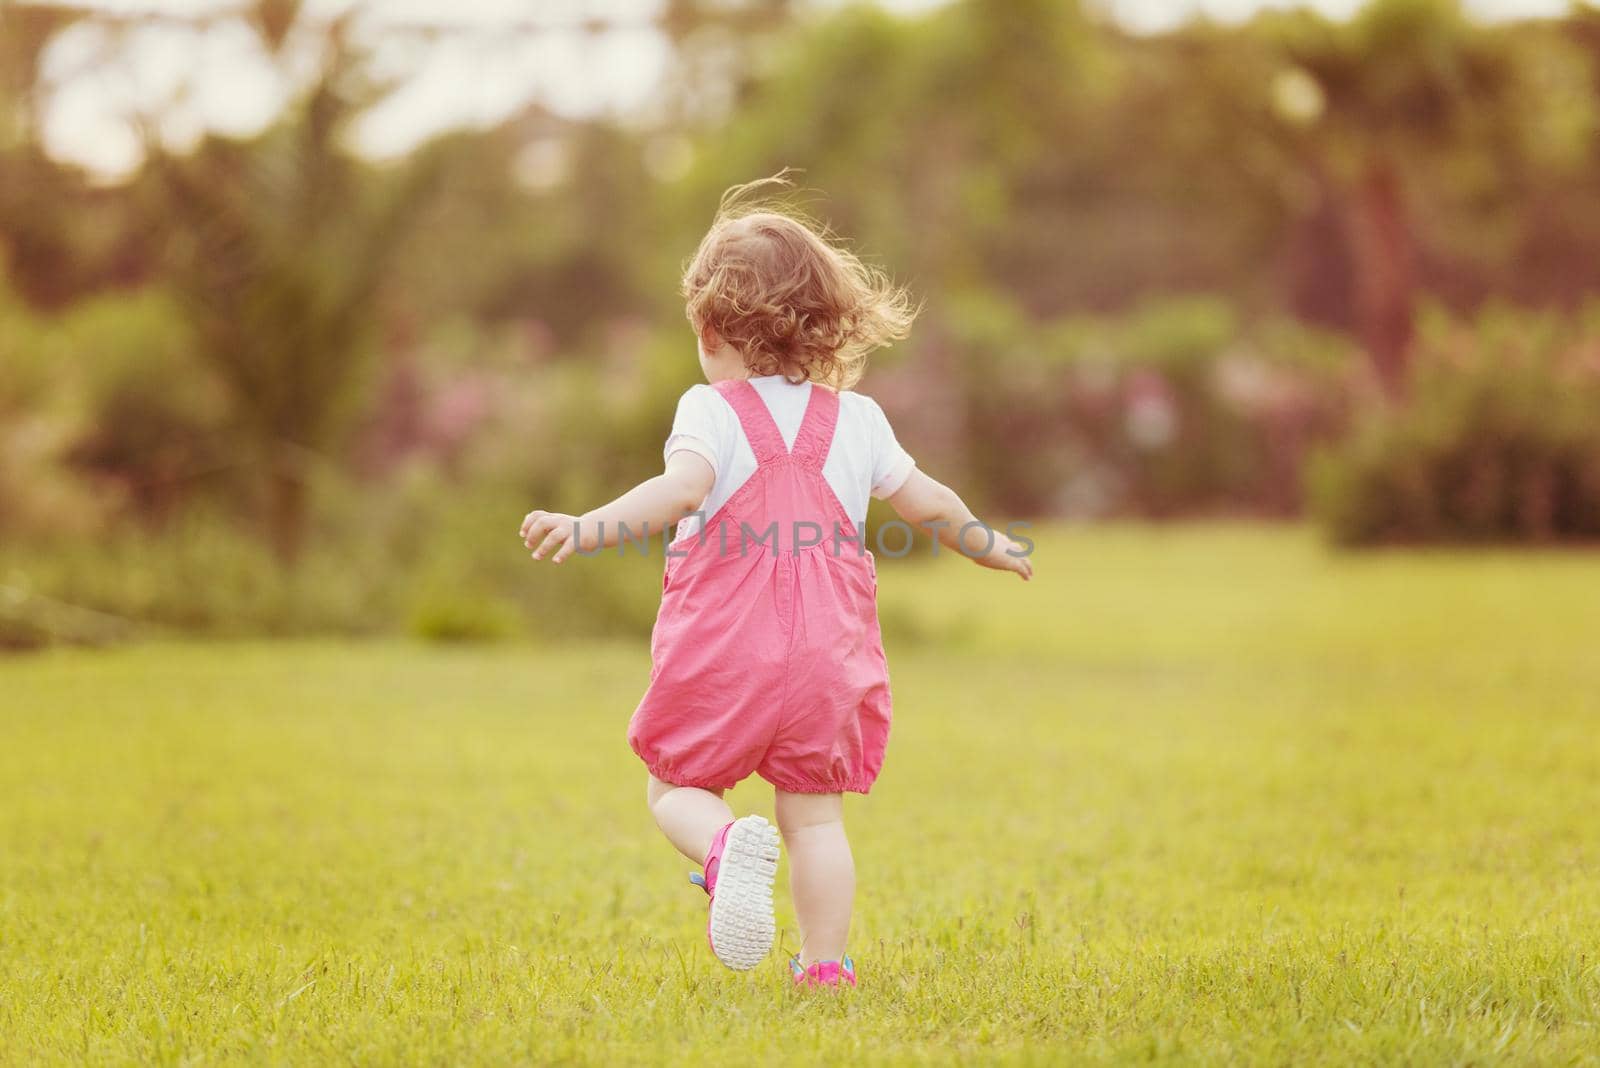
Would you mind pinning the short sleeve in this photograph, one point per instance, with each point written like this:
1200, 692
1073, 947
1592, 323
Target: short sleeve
698, 427
891, 464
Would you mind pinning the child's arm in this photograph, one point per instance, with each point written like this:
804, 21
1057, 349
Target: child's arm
925, 502
645, 509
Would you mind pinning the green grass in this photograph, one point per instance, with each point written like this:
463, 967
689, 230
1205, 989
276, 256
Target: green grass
1201, 795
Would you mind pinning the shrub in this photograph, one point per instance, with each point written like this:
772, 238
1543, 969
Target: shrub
427, 558
1498, 440
444, 616
1174, 408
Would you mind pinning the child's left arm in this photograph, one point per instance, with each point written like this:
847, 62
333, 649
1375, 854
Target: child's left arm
648, 507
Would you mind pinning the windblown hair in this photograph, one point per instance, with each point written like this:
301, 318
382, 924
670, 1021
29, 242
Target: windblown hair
795, 303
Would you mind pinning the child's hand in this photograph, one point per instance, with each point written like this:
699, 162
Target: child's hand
1001, 557
555, 532
924, 502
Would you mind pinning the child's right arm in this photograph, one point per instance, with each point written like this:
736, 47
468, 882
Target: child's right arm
922, 501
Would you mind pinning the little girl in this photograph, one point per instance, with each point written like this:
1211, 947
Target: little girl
766, 654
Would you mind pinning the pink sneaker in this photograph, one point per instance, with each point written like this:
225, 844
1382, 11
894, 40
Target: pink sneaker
823, 972
738, 875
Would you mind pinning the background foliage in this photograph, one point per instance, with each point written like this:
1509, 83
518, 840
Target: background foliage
267, 385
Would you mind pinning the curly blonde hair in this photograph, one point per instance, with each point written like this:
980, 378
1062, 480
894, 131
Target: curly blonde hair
794, 303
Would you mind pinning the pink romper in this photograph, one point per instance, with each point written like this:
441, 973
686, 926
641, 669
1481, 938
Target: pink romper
769, 660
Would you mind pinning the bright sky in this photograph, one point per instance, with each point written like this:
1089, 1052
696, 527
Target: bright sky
477, 74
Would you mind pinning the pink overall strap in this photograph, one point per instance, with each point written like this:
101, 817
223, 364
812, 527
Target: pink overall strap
765, 439
811, 445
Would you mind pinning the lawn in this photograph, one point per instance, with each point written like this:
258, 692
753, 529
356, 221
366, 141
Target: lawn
1208, 794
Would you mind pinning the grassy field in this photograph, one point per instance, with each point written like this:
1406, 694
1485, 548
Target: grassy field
1199, 795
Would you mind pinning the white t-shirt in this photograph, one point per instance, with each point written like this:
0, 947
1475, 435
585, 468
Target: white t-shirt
865, 460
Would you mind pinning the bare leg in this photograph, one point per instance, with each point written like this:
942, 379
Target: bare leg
688, 816
822, 873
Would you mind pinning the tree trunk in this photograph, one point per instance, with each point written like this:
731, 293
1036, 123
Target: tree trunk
286, 513
1385, 268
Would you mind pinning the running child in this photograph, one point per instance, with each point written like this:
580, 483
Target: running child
766, 654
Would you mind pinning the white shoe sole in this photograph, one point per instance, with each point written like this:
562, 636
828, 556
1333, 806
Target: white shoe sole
741, 924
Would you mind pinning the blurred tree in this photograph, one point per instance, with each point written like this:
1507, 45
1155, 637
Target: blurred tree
1548, 203
717, 47
585, 246
64, 239
280, 247
1023, 156
1402, 82
272, 20
25, 31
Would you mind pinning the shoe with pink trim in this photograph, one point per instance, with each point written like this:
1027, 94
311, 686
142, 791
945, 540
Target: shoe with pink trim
823, 972
739, 870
